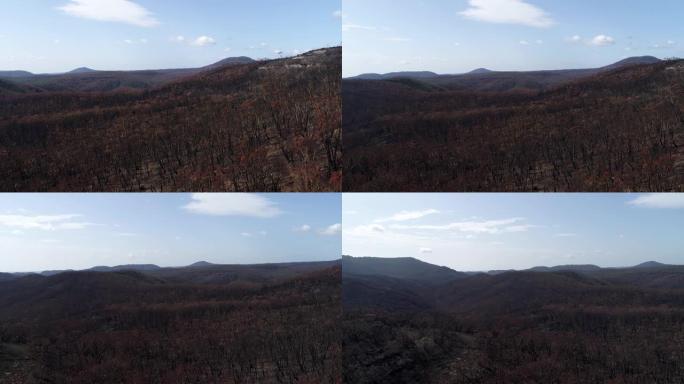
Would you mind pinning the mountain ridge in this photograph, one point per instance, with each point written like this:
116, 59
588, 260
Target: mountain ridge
629, 61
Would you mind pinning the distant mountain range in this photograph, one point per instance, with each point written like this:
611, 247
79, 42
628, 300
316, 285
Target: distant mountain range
485, 80
89, 80
637, 60
144, 268
410, 284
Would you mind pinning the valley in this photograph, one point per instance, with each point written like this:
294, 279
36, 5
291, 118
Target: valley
564, 324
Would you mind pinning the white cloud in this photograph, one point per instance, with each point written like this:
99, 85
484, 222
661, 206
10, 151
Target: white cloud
524, 42
366, 230
332, 230
303, 228
45, 223
602, 41
121, 11
408, 215
203, 41
565, 235
246, 234
232, 204
477, 227
179, 39
508, 12
338, 14
539, 41
671, 42
660, 200
575, 39
425, 250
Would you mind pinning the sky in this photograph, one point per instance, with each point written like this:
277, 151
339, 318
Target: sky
51, 36
481, 232
77, 231
457, 36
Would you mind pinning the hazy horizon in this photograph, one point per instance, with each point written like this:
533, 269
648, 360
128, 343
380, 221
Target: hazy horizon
482, 232
511, 269
40, 232
57, 36
457, 36
505, 70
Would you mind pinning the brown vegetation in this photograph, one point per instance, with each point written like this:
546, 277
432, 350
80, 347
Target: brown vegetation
619, 130
605, 326
263, 126
131, 327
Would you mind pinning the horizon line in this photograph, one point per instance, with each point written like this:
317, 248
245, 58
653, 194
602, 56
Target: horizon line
665, 59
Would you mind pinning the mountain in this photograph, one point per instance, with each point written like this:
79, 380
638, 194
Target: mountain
15, 74
630, 61
411, 284
89, 80
397, 75
479, 71
200, 264
485, 80
130, 267
652, 264
230, 61
399, 268
572, 268
82, 70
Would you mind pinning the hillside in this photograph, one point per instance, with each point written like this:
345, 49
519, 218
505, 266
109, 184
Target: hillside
615, 129
521, 326
114, 327
260, 126
399, 268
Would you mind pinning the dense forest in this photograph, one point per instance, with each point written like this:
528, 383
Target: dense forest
620, 128
567, 325
203, 324
246, 126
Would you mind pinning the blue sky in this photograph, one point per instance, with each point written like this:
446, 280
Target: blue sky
472, 232
45, 36
456, 36
61, 231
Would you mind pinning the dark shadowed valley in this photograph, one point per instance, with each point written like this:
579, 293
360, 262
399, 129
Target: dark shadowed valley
616, 128
205, 323
236, 125
417, 322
